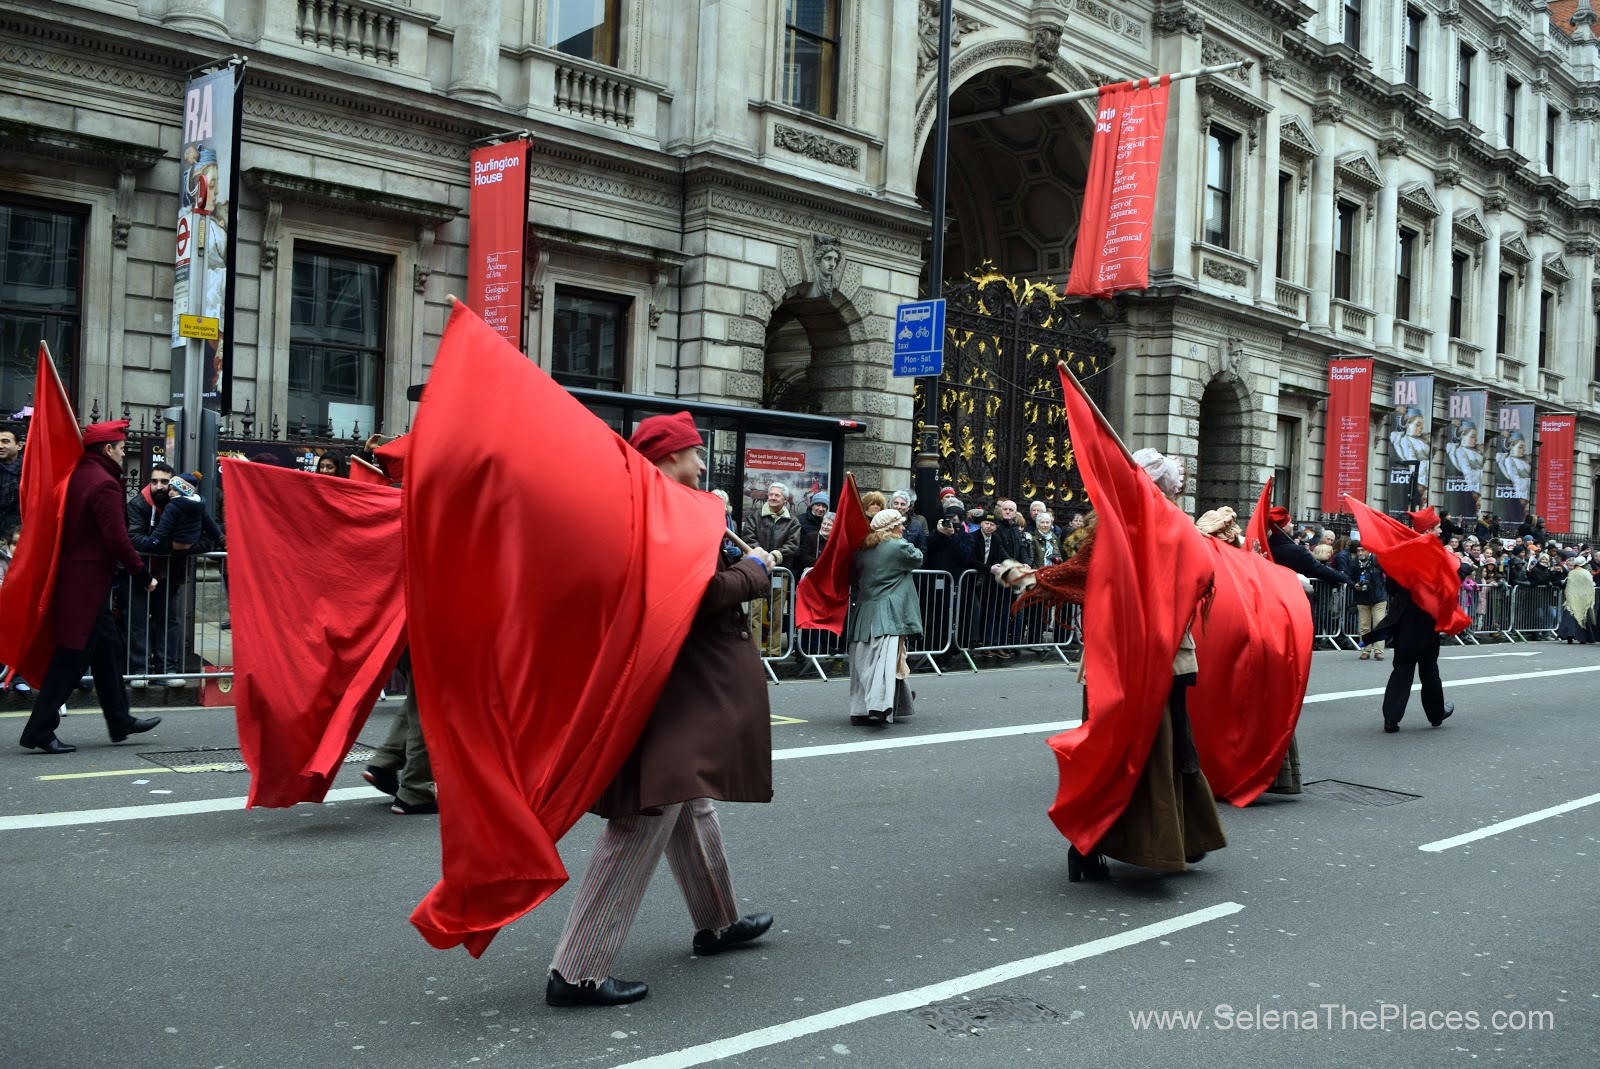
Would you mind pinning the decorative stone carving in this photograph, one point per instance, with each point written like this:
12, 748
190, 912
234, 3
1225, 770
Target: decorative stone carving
1225, 272
1469, 227
1513, 250
1233, 105
658, 297
1356, 171
122, 219
1327, 111
422, 269
1213, 53
269, 234
1416, 199
1496, 202
827, 261
1447, 176
1173, 16
1046, 45
1276, 68
1392, 146
815, 146
1539, 222
1296, 141
928, 34
536, 277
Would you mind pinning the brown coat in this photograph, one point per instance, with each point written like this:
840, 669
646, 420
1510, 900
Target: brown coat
710, 735
94, 540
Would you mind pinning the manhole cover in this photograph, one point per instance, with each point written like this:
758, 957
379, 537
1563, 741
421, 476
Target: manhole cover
966, 1020
228, 758
1356, 793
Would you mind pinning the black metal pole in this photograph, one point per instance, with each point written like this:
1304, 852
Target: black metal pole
927, 463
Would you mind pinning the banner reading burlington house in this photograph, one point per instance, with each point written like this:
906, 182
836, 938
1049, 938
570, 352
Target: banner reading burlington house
202, 281
1464, 455
1344, 460
1410, 433
1119, 198
497, 226
1513, 461
1556, 435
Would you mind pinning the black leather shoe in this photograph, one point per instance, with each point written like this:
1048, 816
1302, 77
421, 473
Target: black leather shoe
386, 780
1081, 867
50, 745
751, 926
1449, 707
134, 726
1390, 727
608, 992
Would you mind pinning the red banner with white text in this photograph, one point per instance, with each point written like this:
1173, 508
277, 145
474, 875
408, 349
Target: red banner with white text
1119, 199
497, 228
1556, 435
1344, 460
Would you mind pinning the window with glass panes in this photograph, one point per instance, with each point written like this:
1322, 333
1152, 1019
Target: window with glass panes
1287, 462
1458, 292
1352, 24
338, 333
589, 339
1547, 302
588, 29
41, 295
1552, 120
1285, 206
1344, 249
1220, 146
1405, 267
811, 56
1464, 60
1502, 310
1597, 347
1413, 57
1513, 100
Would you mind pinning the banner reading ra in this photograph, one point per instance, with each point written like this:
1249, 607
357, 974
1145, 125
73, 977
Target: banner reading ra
1556, 435
1119, 199
1513, 460
496, 231
1344, 462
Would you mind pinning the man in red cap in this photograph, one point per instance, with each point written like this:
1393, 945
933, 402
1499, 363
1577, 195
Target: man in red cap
1413, 636
1289, 553
94, 540
710, 736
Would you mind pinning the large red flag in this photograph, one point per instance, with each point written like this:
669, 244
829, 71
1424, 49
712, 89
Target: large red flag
318, 622
1254, 651
27, 632
1256, 532
1150, 569
1419, 562
539, 644
822, 597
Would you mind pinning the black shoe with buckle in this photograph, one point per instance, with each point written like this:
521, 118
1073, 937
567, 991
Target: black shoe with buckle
751, 926
607, 992
134, 726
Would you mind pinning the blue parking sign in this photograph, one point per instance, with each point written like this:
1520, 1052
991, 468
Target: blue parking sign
919, 338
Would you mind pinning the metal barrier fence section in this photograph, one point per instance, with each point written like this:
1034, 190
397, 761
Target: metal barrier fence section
177, 634
1535, 609
987, 625
1328, 614
772, 619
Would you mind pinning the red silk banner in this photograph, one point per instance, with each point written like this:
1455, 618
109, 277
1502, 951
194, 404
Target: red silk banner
1119, 199
1555, 471
1344, 459
497, 227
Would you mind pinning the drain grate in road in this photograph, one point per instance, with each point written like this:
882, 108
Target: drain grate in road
1356, 793
228, 758
962, 1019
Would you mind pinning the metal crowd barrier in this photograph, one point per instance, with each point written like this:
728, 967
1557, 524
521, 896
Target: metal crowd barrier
1493, 617
986, 624
1535, 609
936, 596
1328, 612
177, 634
772, 619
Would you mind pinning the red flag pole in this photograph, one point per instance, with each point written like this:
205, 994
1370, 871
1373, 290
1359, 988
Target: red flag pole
1068, 377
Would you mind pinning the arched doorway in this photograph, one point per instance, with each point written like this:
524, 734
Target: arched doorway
1227, 475
808, 343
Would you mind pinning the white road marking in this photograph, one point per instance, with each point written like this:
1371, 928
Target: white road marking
923, 996
1312, 699
162, 809
897, 742
1481, 656
1507, 825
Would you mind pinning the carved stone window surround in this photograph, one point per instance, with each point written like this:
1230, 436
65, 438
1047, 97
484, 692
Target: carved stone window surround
1222, 100
801, 117
1357, 178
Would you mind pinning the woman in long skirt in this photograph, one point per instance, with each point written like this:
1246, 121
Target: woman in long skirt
886, 612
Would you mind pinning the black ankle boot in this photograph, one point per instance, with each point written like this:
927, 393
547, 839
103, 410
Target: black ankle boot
1081, 867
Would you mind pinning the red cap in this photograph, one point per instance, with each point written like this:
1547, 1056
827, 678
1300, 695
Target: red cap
661, 436
1277, 515
1426, 520
947, 491
101, 433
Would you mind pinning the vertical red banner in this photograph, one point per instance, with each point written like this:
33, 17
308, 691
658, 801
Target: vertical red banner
1556, 434
1119, 199
1344, 458
497, 229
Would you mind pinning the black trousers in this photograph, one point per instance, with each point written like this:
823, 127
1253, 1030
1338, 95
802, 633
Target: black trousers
66, 670
1415, 651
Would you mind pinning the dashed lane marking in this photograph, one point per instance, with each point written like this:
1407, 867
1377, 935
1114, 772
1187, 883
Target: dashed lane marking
1454, 841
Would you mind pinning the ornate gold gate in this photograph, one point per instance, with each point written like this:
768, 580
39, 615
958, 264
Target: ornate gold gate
1002, 429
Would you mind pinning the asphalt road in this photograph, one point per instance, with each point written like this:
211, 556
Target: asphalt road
900, 877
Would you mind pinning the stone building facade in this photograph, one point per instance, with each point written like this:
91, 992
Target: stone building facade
729, 199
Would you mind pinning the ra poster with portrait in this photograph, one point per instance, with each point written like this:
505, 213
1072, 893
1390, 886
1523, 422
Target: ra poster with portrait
800, 464
1513, 462
1410, 433
1464, 455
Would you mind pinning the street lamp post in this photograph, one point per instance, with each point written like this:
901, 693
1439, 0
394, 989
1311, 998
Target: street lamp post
927, 462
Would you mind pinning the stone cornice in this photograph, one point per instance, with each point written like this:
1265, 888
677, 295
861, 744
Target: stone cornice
31, 139
355, 200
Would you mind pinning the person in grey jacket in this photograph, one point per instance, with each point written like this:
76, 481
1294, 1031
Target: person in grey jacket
774, 528
887, 611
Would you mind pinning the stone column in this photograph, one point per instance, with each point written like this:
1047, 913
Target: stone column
1532, 288
1445, 179
1319, 274
722, 77
1577, 320
1387, 245
1266, 188
208, 17
1445, 58
902, 155
1494, 206
475, 52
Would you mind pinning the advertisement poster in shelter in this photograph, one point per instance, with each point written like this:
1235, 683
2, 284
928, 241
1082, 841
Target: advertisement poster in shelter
1410, 434
800, 464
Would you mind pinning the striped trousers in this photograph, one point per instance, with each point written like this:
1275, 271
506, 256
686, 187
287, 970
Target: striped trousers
625, 857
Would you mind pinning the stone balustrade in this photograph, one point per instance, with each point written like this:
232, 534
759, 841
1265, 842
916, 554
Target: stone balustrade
358, 31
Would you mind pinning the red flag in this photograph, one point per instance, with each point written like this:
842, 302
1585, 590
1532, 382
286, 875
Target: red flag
1256, 532
1254, 651
822, 597
539, 647
27, 632
1119, 198
1419, 562
318, 624
366, 472
1150, 569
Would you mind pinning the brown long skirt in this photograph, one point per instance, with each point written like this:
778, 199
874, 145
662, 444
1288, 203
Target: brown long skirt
1171, 814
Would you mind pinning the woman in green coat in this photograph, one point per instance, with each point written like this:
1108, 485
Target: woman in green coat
886, 611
